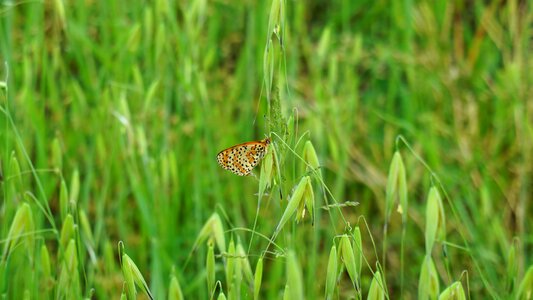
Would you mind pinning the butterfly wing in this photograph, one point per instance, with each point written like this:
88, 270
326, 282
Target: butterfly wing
242, 159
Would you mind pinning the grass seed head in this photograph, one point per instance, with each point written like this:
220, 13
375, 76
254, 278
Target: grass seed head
435, 220
348, 258
69, 280
358, 250
258, 277
230, 263
428, 283
525, 289
129, 282
136, 275
310, 157
294, 277
266, 173
377, 289
295, 202
67, 231
210, 268
212, 228
453, 292
63, 199
396, 189
45, 262
221, 296
174, 290
22, 224
331, 275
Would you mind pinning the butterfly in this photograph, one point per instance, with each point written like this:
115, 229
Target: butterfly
241, 159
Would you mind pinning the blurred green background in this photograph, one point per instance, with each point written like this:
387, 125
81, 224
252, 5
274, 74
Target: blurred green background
112, 113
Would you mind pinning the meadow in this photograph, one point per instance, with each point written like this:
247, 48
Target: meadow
400, 164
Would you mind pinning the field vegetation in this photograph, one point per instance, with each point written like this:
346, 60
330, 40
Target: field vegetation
400, 164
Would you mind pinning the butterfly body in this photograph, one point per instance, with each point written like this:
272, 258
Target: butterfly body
241, 159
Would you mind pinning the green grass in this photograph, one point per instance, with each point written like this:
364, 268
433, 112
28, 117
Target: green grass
112, 114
